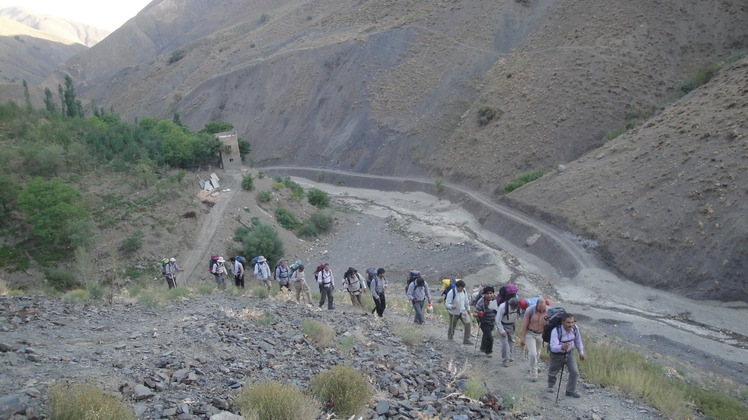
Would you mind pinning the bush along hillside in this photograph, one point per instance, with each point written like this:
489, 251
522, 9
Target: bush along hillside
70, 185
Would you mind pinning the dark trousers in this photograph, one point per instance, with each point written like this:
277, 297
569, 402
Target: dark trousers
325, 292
486, 342
379, 305
171, 281
239, 281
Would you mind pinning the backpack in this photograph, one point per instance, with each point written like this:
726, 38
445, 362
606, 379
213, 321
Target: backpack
162, 264
275, 271
531, 304
241, 260
293, 267
506, 292
451, 286
552, 320
213, 262
254, 262
371, 272
317, 271
413, 275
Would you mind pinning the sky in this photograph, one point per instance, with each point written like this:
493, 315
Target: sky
104, 14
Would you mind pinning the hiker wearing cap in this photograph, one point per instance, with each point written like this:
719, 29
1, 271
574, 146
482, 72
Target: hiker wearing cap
485, 312
418, 292
298, 278
355, 285
283, 274
564, 339
219, 272
237, 269
506, 317
378, 287
170, 272
458, 306
262, 272
326, 283
533, 324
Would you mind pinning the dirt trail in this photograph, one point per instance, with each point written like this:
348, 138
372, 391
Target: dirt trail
198, 256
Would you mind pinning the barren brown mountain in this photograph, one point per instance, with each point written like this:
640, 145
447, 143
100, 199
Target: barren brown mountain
476, 93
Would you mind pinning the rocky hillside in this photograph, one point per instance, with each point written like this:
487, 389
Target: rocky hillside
474, 92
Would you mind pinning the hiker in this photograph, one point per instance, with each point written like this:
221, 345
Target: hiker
326, 286
458, 306
355, 285
532, 324
262, 271
563, 341
485, 311
378, 288
299, 281
506, 317
237, 269
418, 293
282, 274
219, 272
170, 272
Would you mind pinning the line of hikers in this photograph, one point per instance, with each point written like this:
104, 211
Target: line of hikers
500, 310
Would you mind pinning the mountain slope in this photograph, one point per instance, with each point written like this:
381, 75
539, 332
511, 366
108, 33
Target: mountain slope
396, 87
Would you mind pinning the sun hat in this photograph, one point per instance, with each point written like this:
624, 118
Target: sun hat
220, 259
261, 259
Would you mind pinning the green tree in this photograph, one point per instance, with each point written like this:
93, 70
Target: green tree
146, 170
27, 97
8, 190
244, 149
52, 209
262, 240
49, 101
77, 157
217, 127
50, 159
73, 107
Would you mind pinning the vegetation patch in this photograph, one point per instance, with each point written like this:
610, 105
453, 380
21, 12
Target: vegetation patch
343, 388
318, 332
274, 400
318, 198
521, 180
82, 402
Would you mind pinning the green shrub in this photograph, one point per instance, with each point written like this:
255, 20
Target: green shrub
261, 240
275, 401
346, 345
267, 319
286, 219
264, 196
485, 115
318, 198
474, 389
95, 290
278, 185
411, 336
318, 332
260, 292
264, 17
133, 242
322, 220
77, 296
61, 280
521, 180
248, 182
177, 55
14, 259
345, 388
308, 230
85, 402
439, 185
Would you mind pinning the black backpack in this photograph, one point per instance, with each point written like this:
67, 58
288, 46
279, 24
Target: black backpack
552, 320
413, 275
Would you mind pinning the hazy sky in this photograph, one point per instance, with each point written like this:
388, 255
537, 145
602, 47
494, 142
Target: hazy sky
105, 14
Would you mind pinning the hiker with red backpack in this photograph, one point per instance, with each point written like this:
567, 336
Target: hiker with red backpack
564, 339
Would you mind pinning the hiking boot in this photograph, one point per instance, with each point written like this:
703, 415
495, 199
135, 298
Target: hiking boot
467, 343
572, 394
549, 390
535, 376
488, 355
505, 364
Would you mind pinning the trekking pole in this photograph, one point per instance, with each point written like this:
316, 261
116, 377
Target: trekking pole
560, 378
